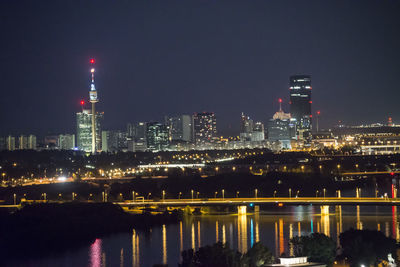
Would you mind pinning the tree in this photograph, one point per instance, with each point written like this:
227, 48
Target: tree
217, 255
257, 256
366, 247
317, 247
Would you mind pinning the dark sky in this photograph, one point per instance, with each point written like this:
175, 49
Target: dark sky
156, 58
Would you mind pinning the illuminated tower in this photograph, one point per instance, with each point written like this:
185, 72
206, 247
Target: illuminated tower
300, 104
93, 100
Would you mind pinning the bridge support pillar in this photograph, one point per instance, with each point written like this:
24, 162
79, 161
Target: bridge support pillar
242, 210
325, 210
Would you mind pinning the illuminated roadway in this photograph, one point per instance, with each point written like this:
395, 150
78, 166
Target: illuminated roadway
261, 201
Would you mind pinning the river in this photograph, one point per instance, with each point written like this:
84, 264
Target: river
273, 228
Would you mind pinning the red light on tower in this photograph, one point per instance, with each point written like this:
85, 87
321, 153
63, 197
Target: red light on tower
280, 100
92, 61
318, 112
82, 102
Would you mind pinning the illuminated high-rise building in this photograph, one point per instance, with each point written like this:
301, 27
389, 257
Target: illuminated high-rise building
113, 141
246, 125
300, 105
136, 136
22, 142
180, 127
84, 130
32, 142
66, 141
27, 142
157, 136
204, 127
10, 143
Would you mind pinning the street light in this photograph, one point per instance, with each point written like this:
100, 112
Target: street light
133, 196
215, 194
290, 192
179, 195
148, 196
223, 194
297, 193
316, 193
324, 192
102, 193
163, 195
15, 199
197, 194
255, 192
274, 193
237, 194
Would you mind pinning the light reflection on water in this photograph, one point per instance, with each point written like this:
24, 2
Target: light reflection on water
274, 229
95, 253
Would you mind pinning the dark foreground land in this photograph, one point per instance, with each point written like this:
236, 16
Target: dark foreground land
51, 228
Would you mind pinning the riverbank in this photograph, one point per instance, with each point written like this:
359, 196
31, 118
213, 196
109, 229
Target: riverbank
43, 229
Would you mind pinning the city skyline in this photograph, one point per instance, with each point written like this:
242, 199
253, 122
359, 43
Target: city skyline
156, 65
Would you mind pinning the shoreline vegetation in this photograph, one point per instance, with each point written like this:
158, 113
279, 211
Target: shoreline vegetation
52, 228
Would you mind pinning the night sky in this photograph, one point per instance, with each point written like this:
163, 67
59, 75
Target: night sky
157, 58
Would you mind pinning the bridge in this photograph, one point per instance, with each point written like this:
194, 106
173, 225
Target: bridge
263, 201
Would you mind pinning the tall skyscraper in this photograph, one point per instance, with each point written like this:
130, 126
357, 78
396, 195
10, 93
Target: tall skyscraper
205, 127
136, 136
280, 128
84, 130
93, 99
157, 135
112, 141
246, 128
300, 105
258, 132
180, 127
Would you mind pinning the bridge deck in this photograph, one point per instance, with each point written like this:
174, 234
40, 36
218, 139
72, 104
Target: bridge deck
261, 201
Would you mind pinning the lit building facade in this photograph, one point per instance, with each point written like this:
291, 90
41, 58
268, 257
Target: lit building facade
10, 143
27, 142
204, 128
112, 141
136, 136
300, 105
66, 141
84, 130
180, 127
157, 135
